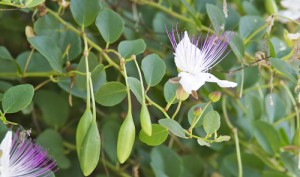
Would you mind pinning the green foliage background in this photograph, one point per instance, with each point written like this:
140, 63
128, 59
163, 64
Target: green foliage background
43, 87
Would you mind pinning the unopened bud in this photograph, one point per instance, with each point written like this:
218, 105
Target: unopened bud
181, 94
29, 31
214, 96
197, 111
271, 6
65, 4
296, 139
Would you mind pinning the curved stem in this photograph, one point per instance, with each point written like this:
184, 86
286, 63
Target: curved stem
177, 109
157, 106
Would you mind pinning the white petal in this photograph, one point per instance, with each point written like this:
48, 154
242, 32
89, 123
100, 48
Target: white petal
290, 4
187, 55
5, 148
221, 83
294, 15
190, 82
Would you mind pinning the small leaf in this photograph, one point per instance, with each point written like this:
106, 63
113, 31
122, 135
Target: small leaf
54, 56
110, 129
54, 107
110, 24
216, 17
275, 107
284, 68
154, 69
33, 3
88, 143
110, 94
135, 87
173, 127
170, 92
85, 11
126, 138
211, 122
267, 137
201, 142
159, 135
165, 162
17, 98
223, 138
38, 63
52, 141
191, 113
237, 45
80, 79
131, 47
249, 24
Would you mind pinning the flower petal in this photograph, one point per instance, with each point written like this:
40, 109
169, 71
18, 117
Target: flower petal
187, 55
5, 148
190, 82
294, 15
222, 83
290, 4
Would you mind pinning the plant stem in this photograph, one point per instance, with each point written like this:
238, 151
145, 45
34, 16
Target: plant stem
177, 109
236, 137
247, 40
88, 74
170, 103
238, 152
194, 123
157, 106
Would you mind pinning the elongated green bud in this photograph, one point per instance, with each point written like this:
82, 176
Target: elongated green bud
271, 6
126, 138
88, 143
145, 120
296, 139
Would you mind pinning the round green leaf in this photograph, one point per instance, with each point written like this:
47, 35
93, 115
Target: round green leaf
236, 44
38, 63
191, 113
110, 24
85, 11
284, 68
154, 69
109, 135
110, 94
159, 135
17, 98
216, 17
135, 87
267, 137
53, 142
49, 26
170, 92
165, 162
131, 47
49, 49
173, 127
249, 24
211, 122
54, 107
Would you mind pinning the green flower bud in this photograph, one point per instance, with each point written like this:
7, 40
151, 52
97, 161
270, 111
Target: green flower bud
145, 120
214, 96
271, 6
197, 111
126, 138
296, 139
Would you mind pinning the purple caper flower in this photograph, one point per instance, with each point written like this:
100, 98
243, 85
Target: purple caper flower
20, 157
194, 63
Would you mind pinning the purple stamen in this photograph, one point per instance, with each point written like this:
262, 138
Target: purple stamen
28, 159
